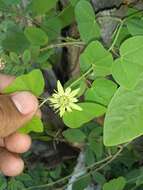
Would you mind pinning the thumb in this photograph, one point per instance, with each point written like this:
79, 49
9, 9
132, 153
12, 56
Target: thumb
16, 110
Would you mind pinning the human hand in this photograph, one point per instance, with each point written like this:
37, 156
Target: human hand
15, 110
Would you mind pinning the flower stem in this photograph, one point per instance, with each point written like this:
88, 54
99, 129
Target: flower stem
81, 77
44, 102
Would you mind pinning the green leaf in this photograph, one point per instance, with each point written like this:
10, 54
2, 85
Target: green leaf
139, 179
101, 91
15, 70
133, 176
89, 156
35, 52
74, 135
67, 15
82, 183
24, 178
27, 82
96, 132
98, 178
14, 57
87, 25
3, 183
77, 118
97, 147
36, 36
124, 121
15, 41
95, 142
12, 2
124, 34
98, 57
26, 57
128, 68
3, 5
40, 7
56, 173
74, 2
135, 26
34, 125
15, 185
52, 26
81, 85
133, 12
115, 184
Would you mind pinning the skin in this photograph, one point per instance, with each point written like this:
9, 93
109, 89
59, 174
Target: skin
13, 144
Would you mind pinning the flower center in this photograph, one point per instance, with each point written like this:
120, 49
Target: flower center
64, 100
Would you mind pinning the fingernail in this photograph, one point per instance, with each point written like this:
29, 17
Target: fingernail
25, 102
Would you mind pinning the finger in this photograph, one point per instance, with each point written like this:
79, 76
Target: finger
18, 143
38, 113
15, 111
5, 81
10, 164
2, 142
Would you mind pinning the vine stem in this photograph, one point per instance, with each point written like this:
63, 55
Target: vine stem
117, 36
44, 102
73, 43
107, 161
110, 17
64, 178
82, 76
81, 44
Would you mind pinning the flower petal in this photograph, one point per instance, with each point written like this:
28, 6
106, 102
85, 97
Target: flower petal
53, 100
74, 92
75, 106
56, 106
68, 109
74, 100
68, 91
60, 88
62, 111
55, 95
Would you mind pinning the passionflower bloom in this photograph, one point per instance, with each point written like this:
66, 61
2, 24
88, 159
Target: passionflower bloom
64, 100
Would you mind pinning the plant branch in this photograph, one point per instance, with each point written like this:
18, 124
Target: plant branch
107, 161
81, 77
63, 44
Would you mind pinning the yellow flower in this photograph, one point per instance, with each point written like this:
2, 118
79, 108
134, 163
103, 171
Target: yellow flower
64, 100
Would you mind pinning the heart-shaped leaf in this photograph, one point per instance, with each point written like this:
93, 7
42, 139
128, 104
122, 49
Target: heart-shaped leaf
32, 81
128, 68
101, 91
89, 111
115, 184
87, 25
97, 56
124, 117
